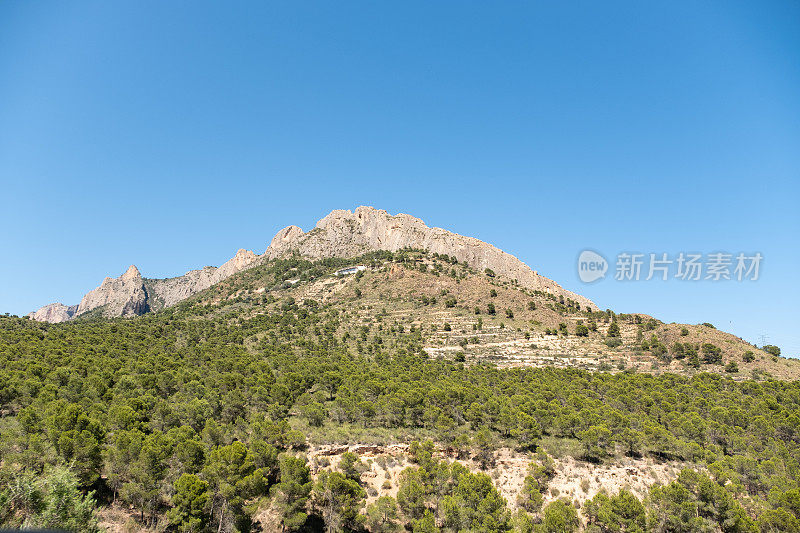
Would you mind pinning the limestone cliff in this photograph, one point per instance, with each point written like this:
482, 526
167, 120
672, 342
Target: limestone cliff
340, 234
346, 233
122, 296
54, 313
170, 291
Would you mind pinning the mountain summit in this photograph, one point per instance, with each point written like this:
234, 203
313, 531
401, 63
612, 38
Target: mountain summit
342, 233
348, 234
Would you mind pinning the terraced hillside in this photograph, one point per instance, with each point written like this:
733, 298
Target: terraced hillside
450, 306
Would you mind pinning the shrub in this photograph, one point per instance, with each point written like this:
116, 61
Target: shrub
678, 351
772, 350
749, 357
712, 354
560, 516
732, 367
621, 512
660, 351
315, 413
51, 499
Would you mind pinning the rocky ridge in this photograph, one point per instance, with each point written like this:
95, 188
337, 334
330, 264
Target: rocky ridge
346, 234
168, 292
340, 234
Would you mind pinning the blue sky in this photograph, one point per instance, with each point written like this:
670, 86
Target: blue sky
170, 134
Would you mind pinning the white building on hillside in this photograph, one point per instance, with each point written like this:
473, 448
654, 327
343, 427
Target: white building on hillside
349, 270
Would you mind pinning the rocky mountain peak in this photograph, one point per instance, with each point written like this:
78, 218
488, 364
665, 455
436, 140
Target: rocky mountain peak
131, 274
243, 258
287, 235
122, 296
342, 233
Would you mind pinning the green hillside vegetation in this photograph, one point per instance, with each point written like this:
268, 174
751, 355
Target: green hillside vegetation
199, 416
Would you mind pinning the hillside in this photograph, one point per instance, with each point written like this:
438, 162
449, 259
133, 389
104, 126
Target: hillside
431, 293
287, 397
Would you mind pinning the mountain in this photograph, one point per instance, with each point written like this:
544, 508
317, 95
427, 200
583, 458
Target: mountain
339, 234
348, 234
522, 403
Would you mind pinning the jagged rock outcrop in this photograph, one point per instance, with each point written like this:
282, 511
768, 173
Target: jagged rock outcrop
345, 234
122, 296
285, 238
132, 295
340, 234
54, 313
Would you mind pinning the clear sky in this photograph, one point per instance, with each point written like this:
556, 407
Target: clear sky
169, 134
